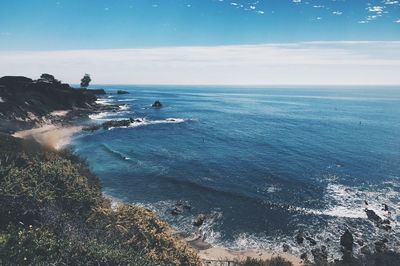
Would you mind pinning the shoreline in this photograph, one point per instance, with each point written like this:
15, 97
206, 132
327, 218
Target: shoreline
58, 137
218, 254
52, 136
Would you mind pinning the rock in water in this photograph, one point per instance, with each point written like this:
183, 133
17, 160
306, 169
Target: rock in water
199, 220
286, 248
299, 238
157, 104
372, 216
122, 92
347, 241
311, 240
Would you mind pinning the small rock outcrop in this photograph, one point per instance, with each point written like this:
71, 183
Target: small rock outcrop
377, 220
122, 92
380, 246
372, 216
199, 220
311, 240
347, 242
157, 104
299, 238
285, 248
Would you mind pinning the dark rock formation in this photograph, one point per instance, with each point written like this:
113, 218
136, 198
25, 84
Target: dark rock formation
285, 247
122, 92
157, 104
299, 238
27, 101
347, 241
176, 211
365, 250
117, 123
380, 246
199, 220
372, 216
379, 222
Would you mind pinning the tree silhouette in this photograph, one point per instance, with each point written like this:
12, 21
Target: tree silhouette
49, 78
85, 81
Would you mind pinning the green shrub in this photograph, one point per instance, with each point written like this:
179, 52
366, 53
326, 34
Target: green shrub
52, 212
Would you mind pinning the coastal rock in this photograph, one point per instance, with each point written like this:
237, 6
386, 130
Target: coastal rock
285, 248
347, 241
122, 92
176, 211
365, 250
116, 123
372, 216
320, 255
311, 240
300, 238
199, 244
157, 104
303, 256
379, 222
380, 246
199, 220
385, 207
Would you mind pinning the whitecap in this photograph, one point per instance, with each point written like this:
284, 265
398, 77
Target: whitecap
123, 107
103, 101
99, 116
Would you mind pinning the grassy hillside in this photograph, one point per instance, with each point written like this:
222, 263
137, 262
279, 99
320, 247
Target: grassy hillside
52, 212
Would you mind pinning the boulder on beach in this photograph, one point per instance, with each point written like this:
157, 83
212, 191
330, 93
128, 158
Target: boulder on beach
122, 92
157, 104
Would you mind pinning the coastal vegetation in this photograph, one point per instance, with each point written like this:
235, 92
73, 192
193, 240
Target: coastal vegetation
53, 212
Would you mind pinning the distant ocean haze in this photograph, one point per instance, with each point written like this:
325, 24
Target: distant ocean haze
263, 164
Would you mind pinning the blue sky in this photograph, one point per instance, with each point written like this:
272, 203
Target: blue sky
203, 41
95, 24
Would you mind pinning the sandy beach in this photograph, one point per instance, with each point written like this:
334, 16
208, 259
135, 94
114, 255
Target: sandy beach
221, 254
49, 135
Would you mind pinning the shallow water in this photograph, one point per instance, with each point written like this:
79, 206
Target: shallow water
262, 163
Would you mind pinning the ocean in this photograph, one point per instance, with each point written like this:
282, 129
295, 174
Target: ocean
263, 164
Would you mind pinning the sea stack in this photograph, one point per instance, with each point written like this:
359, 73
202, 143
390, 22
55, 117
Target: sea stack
157, 104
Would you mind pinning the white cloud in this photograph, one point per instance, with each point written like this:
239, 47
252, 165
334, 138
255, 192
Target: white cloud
311, 63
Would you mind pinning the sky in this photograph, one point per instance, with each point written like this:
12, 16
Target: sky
264, 42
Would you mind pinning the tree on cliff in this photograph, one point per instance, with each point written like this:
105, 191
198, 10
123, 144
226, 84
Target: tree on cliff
85, 81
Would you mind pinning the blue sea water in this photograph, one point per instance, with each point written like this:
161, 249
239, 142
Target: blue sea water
262, 163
